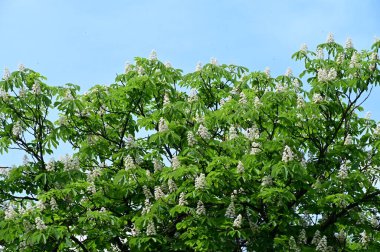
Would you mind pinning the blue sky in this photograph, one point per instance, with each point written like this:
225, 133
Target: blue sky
87, 42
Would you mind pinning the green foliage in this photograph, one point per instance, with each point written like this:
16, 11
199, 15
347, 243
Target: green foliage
221, 159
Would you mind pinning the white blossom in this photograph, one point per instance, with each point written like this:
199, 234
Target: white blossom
172, 185
252, 133
332, 74
341, 236
182, 200
50, 165
302, 239
322, 245
198, 67
289, 72
129, 163
238, 221
300, 101
287, 154
296, 83
168, 64
153, 55
191, 139
364, 239
320, 54
354, 60
267, 72
193, 96
147, 192
243, 98
304, 48
140, 70
340, 58
91, 188
162, 126
128, 67
10, 213
201, 210
158, 193
257, 102
40, 205
36, 88
7, 74
348, 140
266, 181
200, 182
40, 225
214, 61
151, 229
240, 167
70, 163
147, 207
232, 133
343, 170
374, 56
255, 148
21, 67
166, 100
317, 98
230, 212
17, 129
374, 222
53, 204
316, 238
68, 95
376, 131
175, 162
203, 132
157, 165
293, 245
349, 43
330, 38
280, 87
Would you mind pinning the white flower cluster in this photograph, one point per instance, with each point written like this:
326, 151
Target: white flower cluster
252, 133
153, 55
200, 182
162, 126
203, 132
17, 129
293, 245
93, 174
70, 163
157, 165
146, 208
300, 101
317, 98
214, 61
330, 38
316, 238
340, 58
343, 170
354, 60
4, 94
255, 148
240, 168
129, 163
256, 102
10, 212
266, 181
302, 239
128, 67
68, 95
341, 236
175, 162
243, 99
304, 48
267, 72
53, 204
140, 71
287, 154
147, 192
91, 188
232, 133
364, 239
289, 72
320, 54
198, 67
349, 43
168, 64
150, 229
182, 199
7, 74
201, 210
238, 221
374, 222
191, 139
158, 193
50, 165
322, 245
166, 99
348, 140
193, 96
36, 88
326, 75
40, 205
172, 185
4, 171
230, 211
40, 224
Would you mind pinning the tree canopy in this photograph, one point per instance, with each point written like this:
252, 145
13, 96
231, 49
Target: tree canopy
220, 159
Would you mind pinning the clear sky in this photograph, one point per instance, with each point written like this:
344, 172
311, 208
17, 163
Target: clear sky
87, 42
